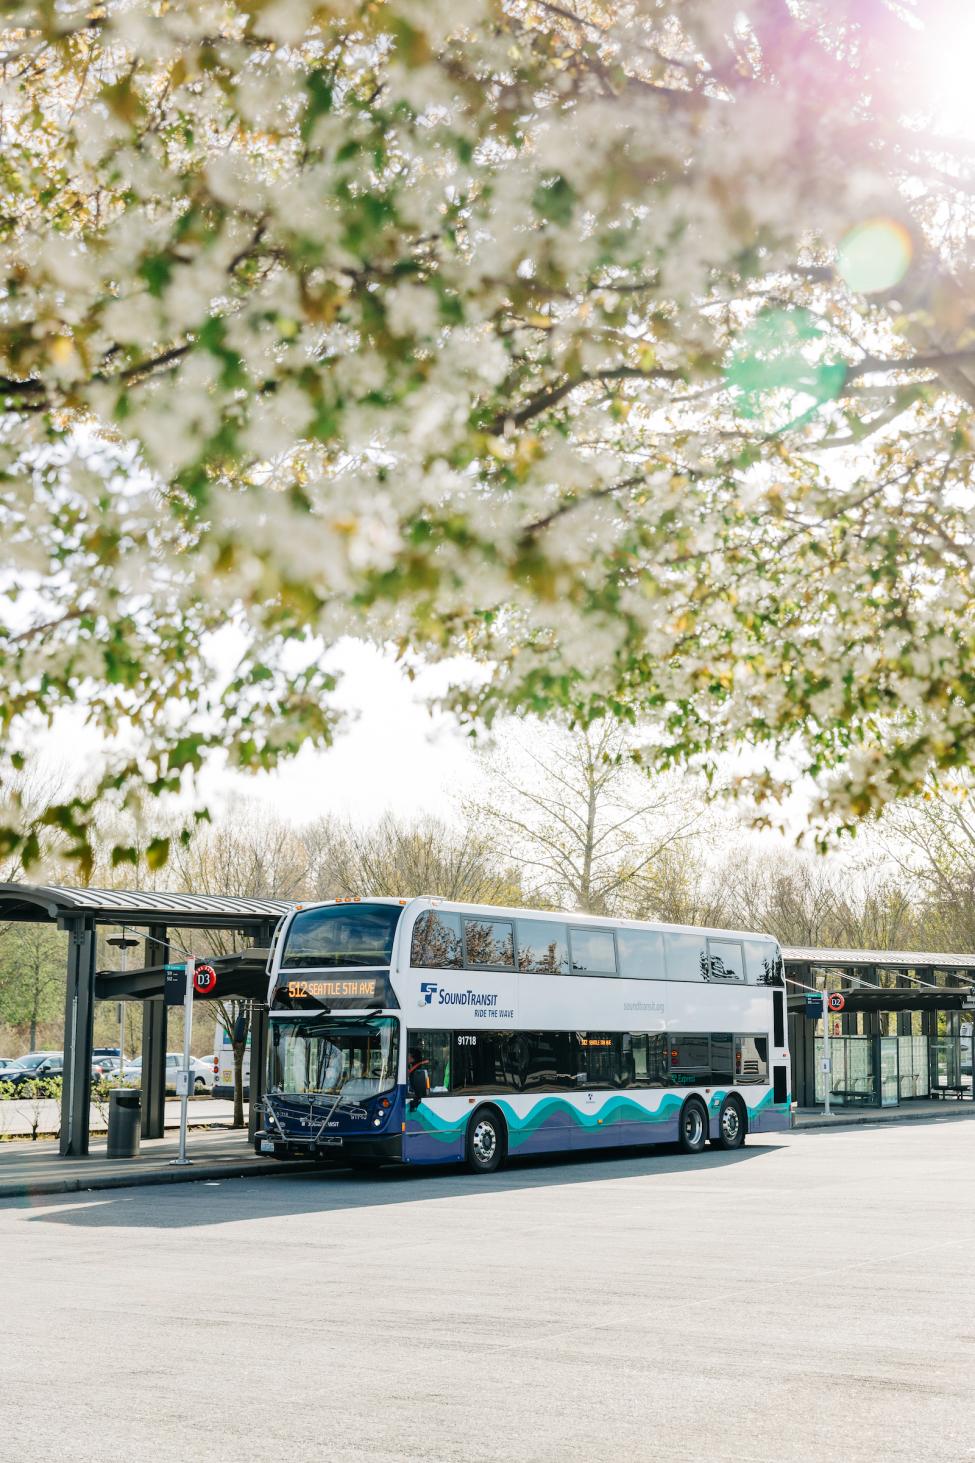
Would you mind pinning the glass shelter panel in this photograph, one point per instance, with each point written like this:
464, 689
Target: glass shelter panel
854, 1076
912, 1061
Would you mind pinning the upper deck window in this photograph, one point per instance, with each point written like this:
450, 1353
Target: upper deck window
340, 936
436, 942
543, 947
490, 942
641, 954
726, 960
593, 951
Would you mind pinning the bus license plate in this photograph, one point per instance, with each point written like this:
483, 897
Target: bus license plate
332, 1142
267, 1146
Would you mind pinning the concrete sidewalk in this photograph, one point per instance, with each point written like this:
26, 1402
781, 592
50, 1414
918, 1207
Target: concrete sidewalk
917, 1110
37, 1168
17, 1115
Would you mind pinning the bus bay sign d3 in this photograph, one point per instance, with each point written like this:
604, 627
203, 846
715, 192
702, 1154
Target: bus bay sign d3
204, 980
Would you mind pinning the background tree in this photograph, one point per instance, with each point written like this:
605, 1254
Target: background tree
411, 857
32, 967
932, 841
576, 815
531, 330
252, 855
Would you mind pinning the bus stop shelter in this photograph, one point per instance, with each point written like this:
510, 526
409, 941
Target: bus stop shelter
898, 1034
154, 916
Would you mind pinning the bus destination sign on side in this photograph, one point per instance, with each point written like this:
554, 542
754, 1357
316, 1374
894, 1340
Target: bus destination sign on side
357, 986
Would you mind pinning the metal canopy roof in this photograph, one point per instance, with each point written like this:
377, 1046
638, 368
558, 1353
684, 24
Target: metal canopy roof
137, 906
885, 959
243, 974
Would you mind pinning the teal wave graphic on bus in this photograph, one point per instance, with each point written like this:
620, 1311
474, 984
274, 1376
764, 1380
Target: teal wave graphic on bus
618, 1109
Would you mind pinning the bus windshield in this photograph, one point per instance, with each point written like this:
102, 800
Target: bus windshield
353, 1058
341, 935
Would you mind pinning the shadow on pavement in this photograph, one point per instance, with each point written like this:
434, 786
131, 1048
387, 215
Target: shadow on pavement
328, 1190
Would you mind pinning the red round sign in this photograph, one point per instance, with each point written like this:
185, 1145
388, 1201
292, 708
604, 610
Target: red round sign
204, 980
836, 1001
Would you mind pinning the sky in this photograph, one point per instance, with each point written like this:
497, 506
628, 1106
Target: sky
392, 755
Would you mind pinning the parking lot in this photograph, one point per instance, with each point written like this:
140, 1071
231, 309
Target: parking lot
808, 1297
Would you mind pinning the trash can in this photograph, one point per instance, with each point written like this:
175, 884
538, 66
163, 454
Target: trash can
124, 1122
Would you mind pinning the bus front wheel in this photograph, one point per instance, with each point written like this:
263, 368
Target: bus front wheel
731, 1125
485, 1141
692, 1129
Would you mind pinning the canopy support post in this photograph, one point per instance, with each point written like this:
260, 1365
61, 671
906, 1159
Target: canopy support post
79, 1021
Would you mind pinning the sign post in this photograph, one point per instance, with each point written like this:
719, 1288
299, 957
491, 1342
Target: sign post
827, 1064
184, 1085
835, 1001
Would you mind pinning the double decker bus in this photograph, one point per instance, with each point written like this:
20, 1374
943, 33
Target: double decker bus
429, 1031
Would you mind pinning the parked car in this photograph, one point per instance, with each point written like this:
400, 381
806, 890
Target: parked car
202, 1074
37, 1067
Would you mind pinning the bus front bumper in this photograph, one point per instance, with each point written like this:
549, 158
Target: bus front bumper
333, 1149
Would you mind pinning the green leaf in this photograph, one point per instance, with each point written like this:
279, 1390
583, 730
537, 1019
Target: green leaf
186, 752
320, 92
157, 853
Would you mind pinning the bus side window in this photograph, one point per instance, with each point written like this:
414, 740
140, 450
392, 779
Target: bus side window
641, 954
486, 1062
686, 957
431, 1049
751, 1059
436, 942
599, 1064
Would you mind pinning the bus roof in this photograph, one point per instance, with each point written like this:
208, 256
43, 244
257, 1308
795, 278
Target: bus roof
503, 911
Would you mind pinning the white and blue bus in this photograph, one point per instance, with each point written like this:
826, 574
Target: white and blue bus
428, 1031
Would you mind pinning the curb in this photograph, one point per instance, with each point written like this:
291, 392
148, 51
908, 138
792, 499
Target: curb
87, 1184
862, 1120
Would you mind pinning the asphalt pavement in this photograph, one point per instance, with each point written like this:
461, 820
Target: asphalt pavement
808, 1297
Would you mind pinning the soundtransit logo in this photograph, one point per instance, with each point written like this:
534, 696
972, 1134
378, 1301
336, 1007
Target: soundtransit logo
428, 989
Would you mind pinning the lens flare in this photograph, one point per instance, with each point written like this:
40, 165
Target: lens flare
875, 256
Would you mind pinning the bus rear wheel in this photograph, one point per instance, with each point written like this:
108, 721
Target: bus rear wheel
485, 1141
731, 1125
692, 1129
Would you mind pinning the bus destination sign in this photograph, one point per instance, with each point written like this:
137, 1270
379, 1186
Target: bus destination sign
361, 985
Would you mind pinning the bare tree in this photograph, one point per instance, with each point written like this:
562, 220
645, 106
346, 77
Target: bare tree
576, 814
932, 841
419, 856
681, 886
251, 855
